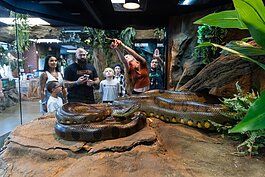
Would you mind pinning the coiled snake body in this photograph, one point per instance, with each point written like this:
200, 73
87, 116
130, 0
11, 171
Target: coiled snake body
78, 121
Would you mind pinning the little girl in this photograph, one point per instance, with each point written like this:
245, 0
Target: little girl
54, 101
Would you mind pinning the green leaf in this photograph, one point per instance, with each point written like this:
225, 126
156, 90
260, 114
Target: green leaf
244, 48
252, 13
254, 119
206, 44
224, 19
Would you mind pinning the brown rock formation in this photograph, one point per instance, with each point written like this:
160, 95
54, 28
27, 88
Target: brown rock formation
159, 150
10, 98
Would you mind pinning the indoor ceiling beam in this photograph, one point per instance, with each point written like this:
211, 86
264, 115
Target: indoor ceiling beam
55, 12
92, 12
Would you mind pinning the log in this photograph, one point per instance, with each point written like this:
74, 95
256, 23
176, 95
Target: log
221, 73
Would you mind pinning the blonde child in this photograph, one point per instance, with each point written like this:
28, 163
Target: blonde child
109, 88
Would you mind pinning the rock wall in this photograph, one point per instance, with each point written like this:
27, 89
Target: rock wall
182, 67
181, 43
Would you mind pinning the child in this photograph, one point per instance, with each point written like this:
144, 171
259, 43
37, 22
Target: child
118, 72
110, 87
54, 101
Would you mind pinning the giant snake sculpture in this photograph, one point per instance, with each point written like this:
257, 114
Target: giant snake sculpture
95, 122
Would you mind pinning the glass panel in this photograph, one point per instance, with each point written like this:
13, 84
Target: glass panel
15, 108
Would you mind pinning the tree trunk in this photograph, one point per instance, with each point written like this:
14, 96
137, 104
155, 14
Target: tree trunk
100, 62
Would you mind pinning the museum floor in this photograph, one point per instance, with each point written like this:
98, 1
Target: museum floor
10, 117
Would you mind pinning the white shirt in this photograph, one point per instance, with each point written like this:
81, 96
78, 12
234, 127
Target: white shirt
54, 104
50, 77
109, 89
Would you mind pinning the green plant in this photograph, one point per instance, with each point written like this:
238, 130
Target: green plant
97, 38
252, 144
248, 14
159, 33
5, 60
128, 35
241, 19
237, 108
206, 33
239, 105
100, 39
22, 30
70, 37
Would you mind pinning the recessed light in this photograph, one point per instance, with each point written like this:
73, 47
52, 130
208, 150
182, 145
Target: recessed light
131, 4
117, 1
50, 2
186, 2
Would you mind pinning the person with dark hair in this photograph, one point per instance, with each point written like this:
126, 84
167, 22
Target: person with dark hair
51, 73
118, 75
80, 79
156, 75
156, 71
54, 102
137, 80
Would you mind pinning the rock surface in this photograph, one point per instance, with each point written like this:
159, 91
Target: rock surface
159, 150
220, 76
10, 98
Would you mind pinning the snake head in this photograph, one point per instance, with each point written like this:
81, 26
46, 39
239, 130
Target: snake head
126, 112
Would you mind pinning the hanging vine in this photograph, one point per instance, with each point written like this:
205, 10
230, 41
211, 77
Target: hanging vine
23, 30
128, 36
96, 39
159, 33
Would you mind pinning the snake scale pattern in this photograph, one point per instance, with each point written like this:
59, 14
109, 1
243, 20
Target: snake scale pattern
127, 115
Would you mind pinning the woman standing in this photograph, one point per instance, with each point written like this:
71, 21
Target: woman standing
137, 80
51, 73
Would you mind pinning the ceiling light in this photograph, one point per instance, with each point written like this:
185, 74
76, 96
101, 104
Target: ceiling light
50, 2
131, 4
71, 51
186, 2
117, 1
30, 21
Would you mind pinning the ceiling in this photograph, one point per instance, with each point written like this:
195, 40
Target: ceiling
102, 14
